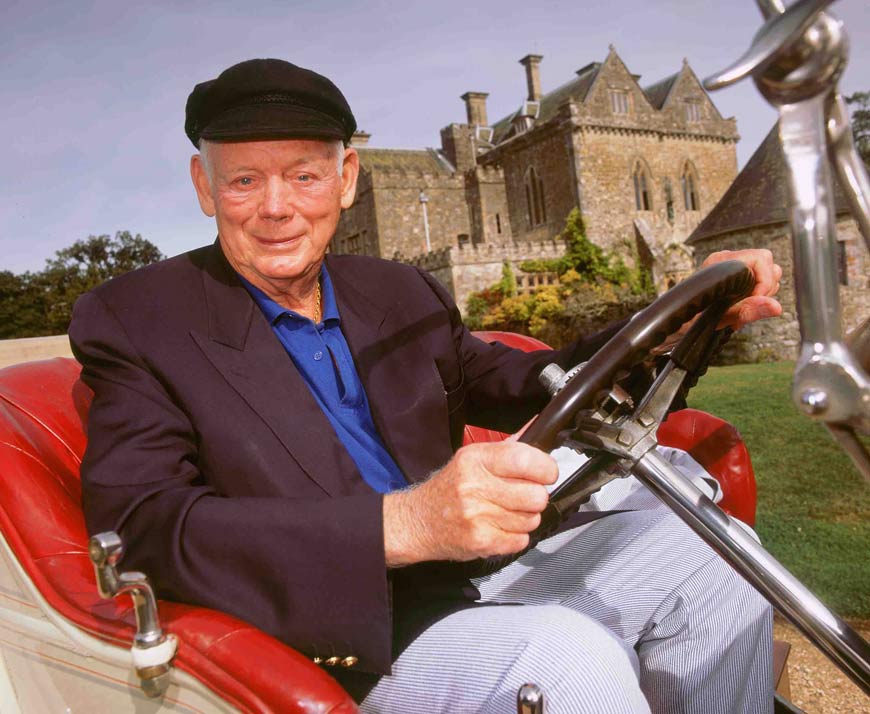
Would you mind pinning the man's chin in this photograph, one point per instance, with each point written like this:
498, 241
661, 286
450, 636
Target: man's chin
286, 269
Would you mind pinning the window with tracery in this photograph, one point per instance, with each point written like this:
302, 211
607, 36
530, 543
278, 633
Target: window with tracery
536, 209
641, 180
689, 184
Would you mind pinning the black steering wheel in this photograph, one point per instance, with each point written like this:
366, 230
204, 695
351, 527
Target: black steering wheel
710, 291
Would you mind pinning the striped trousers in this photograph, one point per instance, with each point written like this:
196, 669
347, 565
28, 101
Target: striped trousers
631, 613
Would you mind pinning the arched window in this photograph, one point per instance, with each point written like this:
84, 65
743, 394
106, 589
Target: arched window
689, 184
536, 209
642, 197
669, 200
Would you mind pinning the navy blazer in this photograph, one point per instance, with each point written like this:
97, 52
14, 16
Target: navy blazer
208, 454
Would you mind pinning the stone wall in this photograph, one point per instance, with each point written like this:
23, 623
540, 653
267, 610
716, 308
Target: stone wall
357, 231
388, 209
550, 154
779, 338
608, 159
472, 268
486, 197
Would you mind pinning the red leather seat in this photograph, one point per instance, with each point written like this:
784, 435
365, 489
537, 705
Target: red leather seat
712, 442
43, 406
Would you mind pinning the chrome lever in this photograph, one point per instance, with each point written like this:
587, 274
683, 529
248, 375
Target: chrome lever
152, 649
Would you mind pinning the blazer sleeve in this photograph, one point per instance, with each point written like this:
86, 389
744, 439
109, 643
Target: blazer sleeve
282, 564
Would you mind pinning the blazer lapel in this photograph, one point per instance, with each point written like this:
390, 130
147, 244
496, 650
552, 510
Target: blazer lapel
244, 349
400, 378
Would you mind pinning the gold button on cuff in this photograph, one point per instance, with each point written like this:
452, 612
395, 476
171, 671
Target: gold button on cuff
349, 661
332, 661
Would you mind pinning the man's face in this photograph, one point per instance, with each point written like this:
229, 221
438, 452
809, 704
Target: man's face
276, 204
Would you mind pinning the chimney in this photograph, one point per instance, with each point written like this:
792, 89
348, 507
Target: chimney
475, 108
360, 138
533, 76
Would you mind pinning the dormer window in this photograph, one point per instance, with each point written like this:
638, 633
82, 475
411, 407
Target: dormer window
693, 110
641, 180
619, 101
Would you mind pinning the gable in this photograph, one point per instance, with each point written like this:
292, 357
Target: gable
687, 88
612, 79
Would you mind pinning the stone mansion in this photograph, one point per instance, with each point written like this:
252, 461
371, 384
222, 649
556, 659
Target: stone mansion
644, 164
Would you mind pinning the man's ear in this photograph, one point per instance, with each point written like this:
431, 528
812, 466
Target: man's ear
201, 184
349, 175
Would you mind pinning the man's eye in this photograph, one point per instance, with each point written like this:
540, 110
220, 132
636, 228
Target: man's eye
304, 178
245, 181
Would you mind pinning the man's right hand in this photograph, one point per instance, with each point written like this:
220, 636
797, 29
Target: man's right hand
484, 502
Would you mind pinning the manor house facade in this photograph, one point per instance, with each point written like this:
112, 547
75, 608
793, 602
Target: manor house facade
643, 164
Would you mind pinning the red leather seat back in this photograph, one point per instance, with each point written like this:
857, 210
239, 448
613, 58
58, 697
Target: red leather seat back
43, 412
711, 441
719, 448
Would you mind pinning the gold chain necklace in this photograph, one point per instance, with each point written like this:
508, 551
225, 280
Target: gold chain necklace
317, 298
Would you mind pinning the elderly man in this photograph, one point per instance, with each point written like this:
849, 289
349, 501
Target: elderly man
275, 432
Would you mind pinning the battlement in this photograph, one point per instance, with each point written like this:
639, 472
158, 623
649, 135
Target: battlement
403, 178
489, 172
453, 256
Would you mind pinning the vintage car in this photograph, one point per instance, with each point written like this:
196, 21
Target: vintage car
66, 648
68, 644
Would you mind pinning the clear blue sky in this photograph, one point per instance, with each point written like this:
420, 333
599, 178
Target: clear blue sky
93, 92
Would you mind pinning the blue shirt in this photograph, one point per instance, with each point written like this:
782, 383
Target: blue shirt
322, 356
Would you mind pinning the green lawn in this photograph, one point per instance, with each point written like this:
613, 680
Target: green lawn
813, 506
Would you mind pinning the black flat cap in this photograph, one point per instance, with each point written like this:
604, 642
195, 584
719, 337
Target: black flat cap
267, 99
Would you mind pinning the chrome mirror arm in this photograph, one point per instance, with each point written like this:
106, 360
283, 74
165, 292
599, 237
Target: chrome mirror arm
795, 61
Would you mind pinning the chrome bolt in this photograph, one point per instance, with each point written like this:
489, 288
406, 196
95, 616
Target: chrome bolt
552, 378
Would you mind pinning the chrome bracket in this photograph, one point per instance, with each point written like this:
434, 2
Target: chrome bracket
152, 650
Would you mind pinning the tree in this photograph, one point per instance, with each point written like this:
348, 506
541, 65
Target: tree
35, 304
861, 123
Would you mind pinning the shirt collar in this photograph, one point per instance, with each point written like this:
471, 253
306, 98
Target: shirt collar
273, 311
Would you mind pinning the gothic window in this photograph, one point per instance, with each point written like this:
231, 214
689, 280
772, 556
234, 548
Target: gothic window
353, 246
689, 184
462, 239
693, 110
497, 223
669, 200
619, 102
642, 198
536, 210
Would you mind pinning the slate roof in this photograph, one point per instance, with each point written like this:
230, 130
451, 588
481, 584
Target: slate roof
758, 196
658, 92
574, 90
426, 161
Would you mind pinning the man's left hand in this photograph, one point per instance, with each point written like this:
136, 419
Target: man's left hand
761, 303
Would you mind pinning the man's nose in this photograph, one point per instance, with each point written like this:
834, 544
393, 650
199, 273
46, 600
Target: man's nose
277, 202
